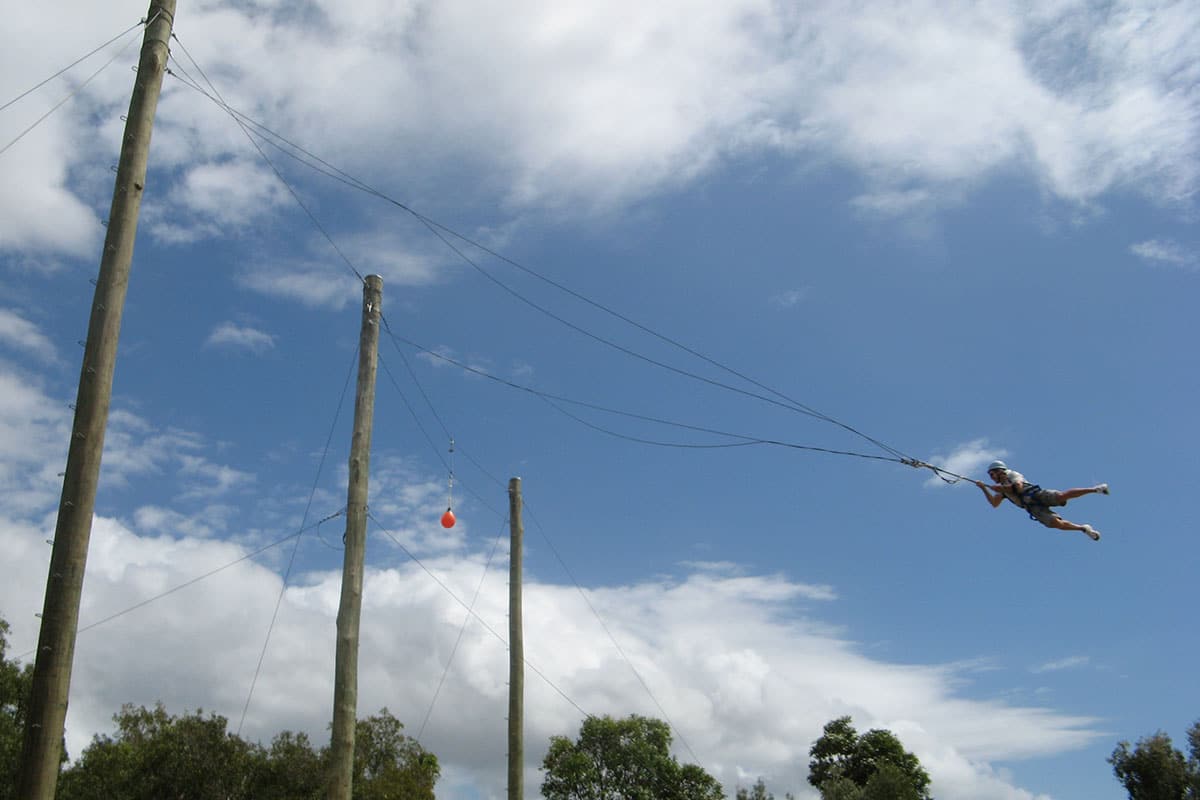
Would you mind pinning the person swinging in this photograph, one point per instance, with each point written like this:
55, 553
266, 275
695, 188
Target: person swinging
1011, 485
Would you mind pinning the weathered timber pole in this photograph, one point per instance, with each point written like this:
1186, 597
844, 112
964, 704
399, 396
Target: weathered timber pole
516, 649
42, 746
345, 681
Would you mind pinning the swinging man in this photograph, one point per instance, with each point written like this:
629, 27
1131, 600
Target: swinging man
1011, 485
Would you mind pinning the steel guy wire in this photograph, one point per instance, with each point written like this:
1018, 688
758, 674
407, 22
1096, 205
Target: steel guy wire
643, 417
437, 229
73, 92
278, 174
472, 612
198, 578
462, 630
291, 561
73, 64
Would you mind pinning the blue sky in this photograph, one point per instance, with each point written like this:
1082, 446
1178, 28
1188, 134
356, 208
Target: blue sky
965, 230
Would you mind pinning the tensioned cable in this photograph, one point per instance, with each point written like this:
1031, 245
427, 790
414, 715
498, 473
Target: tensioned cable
643, 417
291, 561
437, 228
639, 439
188, 80
437, 452
73, 92
628, 661
74, 64
199, 578
462, 630
541, 529
472, 612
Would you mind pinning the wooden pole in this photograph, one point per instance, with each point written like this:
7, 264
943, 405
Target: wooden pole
345, 686
42, 746
516, 649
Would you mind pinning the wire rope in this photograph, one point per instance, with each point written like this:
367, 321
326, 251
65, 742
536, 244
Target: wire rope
472, 612
72, 65
73, 92
462, 630
441, 232
197, 579
292, 560
278, 174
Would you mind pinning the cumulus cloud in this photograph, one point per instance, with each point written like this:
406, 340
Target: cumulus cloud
312, 283
744, 665
240, 337
578, 109
22, 334
741, 664
967, 459
34, 430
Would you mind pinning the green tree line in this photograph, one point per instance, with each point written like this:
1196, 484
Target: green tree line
192, 756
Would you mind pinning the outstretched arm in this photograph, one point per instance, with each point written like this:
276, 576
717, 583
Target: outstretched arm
995, 499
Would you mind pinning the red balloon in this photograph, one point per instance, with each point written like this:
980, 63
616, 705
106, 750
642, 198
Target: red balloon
448, 519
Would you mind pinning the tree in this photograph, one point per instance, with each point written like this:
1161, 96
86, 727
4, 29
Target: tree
841, 758
154, 755
1193, 736
622, 759
1155, 770
14, 703
290, 770
388, 764
758, 792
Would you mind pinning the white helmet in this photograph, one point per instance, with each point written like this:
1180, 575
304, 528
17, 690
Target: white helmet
997, 465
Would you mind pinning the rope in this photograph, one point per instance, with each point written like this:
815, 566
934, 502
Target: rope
462, 630
558, 557
291, 561
74, 92
471, 611
295, 195
437, 230
192, 581
744, 439
73, 64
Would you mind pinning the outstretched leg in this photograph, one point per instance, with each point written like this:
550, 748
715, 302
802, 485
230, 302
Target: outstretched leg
1071, 494
1066, 525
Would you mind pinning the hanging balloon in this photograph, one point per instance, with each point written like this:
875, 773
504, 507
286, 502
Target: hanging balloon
448, 519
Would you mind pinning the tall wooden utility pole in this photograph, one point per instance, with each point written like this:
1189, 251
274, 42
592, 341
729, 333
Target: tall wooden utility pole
345, 681
42, 751
516, 649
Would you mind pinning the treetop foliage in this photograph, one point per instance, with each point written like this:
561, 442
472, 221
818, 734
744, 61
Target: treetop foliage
847, 766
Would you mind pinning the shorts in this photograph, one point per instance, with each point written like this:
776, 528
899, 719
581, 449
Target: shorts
1038, 505
1043, 515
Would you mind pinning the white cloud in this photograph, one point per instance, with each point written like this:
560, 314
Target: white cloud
205, 479
24, 335
966, 459
1071, 662
1166, 252
742, 664
314, 284
723, 656
242, 337
578, 108
34, 430
216, 199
